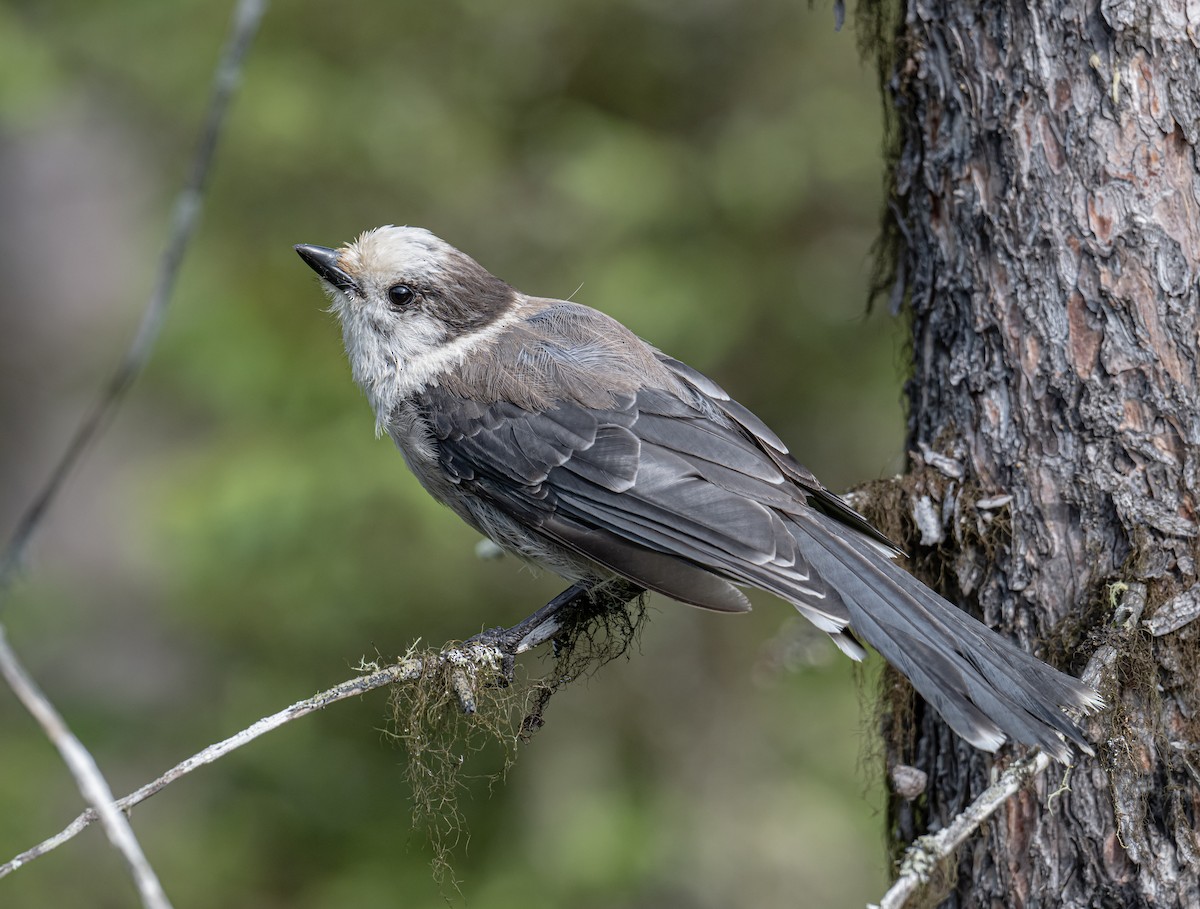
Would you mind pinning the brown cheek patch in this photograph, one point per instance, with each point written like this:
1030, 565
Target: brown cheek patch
470, 298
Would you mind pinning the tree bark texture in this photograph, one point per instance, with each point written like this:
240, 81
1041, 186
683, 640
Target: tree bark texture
1044, 219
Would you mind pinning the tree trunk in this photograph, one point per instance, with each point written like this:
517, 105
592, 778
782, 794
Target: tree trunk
1044, 227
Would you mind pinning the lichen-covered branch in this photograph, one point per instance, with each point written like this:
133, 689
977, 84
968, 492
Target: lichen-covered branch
464, 669
928, 852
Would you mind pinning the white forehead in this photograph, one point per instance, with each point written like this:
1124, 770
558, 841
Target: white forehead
391, 252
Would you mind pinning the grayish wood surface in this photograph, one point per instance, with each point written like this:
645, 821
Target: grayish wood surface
1045, 221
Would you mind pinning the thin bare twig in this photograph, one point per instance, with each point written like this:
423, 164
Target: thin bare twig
79, 761
493, 650
923, 856
186, 214
87, 776
406, 670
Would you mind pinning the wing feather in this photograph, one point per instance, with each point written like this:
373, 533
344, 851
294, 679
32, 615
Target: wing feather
684, 491
667, 477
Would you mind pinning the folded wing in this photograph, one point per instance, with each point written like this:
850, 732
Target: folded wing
685, 492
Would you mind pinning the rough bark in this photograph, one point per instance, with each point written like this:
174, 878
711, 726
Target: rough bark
1044, 225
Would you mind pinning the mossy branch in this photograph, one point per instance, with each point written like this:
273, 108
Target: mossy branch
588, 627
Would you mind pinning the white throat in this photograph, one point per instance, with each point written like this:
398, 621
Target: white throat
390, 368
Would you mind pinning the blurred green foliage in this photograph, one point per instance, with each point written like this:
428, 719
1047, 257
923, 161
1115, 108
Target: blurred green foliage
708, 173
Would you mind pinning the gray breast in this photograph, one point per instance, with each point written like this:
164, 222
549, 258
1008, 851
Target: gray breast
410, 429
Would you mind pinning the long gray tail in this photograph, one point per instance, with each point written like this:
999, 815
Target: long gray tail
984, 687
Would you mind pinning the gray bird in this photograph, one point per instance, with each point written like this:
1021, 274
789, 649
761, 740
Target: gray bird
565, 438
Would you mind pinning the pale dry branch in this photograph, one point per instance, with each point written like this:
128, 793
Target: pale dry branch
88, 777
491, 652
406, 670
927, 852
80, 763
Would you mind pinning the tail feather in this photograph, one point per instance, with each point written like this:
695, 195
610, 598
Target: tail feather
984, 687
1040, 689
1007, 668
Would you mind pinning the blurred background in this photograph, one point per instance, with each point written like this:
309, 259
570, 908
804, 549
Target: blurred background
708, 172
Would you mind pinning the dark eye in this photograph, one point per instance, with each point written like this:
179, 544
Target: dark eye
401, 295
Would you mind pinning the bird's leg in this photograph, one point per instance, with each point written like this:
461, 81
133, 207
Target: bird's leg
508, 639
550, 620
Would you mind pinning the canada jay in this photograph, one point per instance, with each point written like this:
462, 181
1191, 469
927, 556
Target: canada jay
568, 440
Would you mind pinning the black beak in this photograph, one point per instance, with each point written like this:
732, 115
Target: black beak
323, 261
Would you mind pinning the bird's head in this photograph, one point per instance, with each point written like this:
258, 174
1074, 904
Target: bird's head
411, 306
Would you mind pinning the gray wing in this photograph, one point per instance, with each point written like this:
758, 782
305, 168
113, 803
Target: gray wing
818, 496
663, 491
685, 492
